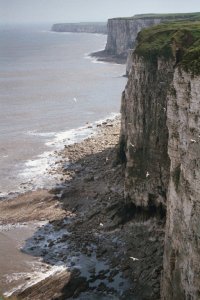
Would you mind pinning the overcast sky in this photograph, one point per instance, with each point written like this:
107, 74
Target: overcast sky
86, 10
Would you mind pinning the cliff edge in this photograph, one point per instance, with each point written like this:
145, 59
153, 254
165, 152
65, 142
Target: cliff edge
122, 33
159, 144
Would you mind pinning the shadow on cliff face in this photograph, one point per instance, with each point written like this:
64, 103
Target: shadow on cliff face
103, 246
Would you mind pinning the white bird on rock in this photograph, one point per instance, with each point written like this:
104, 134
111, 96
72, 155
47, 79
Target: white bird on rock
193, 141
147, 174
134, 258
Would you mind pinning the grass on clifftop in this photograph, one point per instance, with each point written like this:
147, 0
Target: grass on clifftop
178, 16
178, 40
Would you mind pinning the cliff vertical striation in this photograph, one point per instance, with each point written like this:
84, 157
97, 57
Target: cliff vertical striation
160, 145
144, 133
122, 33
181, 279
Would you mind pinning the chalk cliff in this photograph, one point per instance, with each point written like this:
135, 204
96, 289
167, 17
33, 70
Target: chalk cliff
92, 27
181, 279
122, 33
145, 133
160, 145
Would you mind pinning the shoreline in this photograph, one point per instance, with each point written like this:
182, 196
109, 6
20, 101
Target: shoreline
87, 232
26, 210
63, 167
50, 160
36, 137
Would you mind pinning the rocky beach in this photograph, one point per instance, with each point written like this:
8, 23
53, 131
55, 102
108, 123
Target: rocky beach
88, 240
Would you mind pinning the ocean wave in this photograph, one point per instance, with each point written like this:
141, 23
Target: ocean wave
71, 136
36, 172
41, 172
3, 156
42, 134
40, 272
77, 135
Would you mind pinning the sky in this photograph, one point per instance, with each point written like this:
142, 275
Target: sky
37, 11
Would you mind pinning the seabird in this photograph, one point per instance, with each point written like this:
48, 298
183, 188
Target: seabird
134, 258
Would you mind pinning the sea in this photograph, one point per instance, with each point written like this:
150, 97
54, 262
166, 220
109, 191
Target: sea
50, 90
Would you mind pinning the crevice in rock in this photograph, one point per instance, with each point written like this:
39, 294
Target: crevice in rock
121, 214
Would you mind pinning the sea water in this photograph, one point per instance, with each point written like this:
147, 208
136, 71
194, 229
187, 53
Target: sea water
50, 89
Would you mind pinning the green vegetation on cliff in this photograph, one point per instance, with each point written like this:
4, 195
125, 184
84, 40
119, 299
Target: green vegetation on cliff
177, 40
178, 16
175, 16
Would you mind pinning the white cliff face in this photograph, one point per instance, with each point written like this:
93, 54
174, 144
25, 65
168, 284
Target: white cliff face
129, 61
181, 277
144, 133
122, 34
160, 143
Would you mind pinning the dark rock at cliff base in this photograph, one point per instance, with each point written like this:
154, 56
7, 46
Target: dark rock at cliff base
109, 57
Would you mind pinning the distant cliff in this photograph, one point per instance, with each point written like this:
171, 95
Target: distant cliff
160, 146
96, 27
122, 33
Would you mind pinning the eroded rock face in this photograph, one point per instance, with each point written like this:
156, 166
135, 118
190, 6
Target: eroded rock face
129, 61
160, 145
122, 34
144, 133
181, 278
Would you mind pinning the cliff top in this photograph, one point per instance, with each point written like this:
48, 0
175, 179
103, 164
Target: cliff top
190, 16
178, 40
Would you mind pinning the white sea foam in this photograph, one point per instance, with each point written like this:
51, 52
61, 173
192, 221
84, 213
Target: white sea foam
3, 156
41, 272
70, 137
3, 195
36, 173
9, 227
40, 172
79, 134
42, 134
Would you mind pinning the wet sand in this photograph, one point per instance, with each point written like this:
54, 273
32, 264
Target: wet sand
39, 205
15, 264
